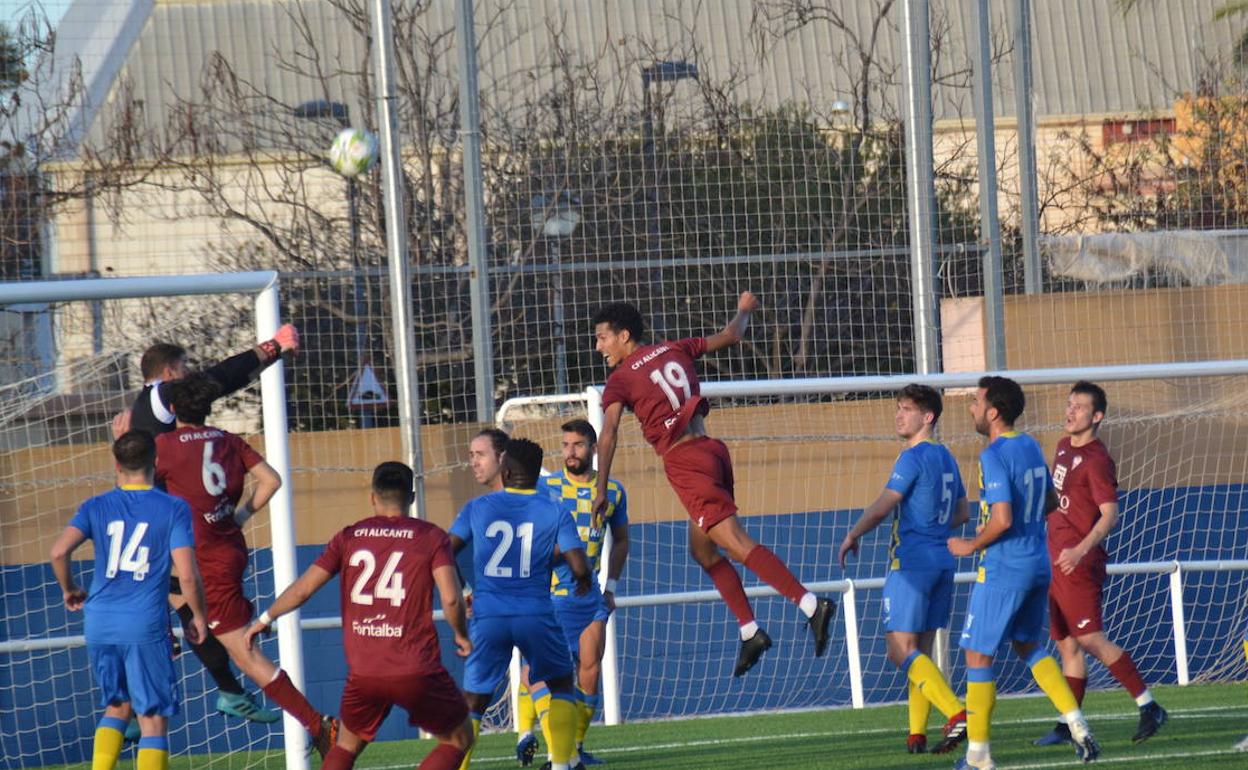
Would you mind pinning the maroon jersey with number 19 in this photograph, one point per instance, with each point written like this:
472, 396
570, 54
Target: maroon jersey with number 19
1086, 479
660, 384
385, 565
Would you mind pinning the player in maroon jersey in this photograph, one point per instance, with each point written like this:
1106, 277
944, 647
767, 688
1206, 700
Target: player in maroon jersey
388, 566
206, 467
1087, 485
660, 384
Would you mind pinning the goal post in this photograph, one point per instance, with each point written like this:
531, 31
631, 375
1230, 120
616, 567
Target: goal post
1163, 592
263, 287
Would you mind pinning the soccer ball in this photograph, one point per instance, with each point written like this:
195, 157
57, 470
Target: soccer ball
354, 151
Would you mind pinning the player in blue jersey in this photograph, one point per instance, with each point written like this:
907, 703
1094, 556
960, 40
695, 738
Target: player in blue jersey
516, 536
140, 534
584, 618
1010, 595
928, 502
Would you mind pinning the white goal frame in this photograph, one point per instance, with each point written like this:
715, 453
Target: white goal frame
263, 286
849, 589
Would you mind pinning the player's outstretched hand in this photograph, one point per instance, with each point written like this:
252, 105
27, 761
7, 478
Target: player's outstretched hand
961, 546
197, 630
748, 303
287, 338
848, 546
255, 629
121, 424
463, 646
74, 599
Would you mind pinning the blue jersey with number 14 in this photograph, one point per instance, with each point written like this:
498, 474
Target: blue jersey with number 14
513, 534
134, 530
927, 478
1013, 470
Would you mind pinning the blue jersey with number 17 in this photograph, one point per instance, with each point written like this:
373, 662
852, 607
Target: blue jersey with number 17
513, 534
134, 530
1012, 469
927, 478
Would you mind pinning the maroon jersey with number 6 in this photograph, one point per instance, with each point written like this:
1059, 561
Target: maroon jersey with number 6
206, 467
1085, 479
660, 384
385, 566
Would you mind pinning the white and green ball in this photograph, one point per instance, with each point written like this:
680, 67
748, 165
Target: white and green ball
354, 151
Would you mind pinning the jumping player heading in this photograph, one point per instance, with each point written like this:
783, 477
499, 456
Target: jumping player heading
659, 382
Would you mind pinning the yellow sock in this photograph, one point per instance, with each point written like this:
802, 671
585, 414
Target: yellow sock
920, 707
1246, 649
981, 696
153, 753
924, 675
109, 737
541, 703
526, 714
1049, 676
476, 730
584, 715
562, 720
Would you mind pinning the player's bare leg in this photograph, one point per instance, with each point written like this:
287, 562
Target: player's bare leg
592, 645
1048, 675
911, 653
1120, 664
277, 685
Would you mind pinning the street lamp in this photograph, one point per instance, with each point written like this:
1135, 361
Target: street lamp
658, 72
557, 222
322, 109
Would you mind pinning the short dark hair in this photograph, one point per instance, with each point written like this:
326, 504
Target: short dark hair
135, 451
581, 428
497, 436
1004, 395
158, 356
523, 458
394, 483
1099, 402
192, 397
925, 397
621, 316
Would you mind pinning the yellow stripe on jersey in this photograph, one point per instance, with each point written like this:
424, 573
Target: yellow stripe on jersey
577, 499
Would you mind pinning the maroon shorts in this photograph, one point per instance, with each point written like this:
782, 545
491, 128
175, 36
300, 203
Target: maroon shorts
700, 472
222, 570
1075, 601
432, 702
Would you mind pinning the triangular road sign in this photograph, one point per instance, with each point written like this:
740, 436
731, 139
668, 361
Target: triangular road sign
367, 391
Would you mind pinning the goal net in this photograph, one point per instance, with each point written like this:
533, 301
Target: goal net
806, 465
54, 454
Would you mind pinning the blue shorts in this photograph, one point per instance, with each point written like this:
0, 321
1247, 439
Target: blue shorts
575, 615
917, 600
539, 638
139, 674
997, 615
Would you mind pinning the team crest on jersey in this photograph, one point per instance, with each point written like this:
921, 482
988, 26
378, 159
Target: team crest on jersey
1078, 459
1059, 475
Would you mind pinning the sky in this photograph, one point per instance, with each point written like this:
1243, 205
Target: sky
14, 9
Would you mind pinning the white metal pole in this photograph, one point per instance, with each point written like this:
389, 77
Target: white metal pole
1180, 625
610, 654
940, 651
514, 693
849, 604
281, 520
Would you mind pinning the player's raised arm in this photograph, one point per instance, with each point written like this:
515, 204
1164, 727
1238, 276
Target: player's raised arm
734, 331
607, 439
238, 371
71, 537
875, 513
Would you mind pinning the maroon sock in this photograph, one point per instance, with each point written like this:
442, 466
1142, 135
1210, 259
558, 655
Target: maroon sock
338, 758
1079, 686
283, 692
728, 583
1124, 671
762, 562
444, 757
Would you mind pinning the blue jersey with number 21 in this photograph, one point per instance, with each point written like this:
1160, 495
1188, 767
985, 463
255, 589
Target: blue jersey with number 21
134, 530
513, 534
1013, 470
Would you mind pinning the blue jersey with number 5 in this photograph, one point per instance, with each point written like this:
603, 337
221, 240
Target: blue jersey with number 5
134, 531
927, 478
1013, 470
513, 534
